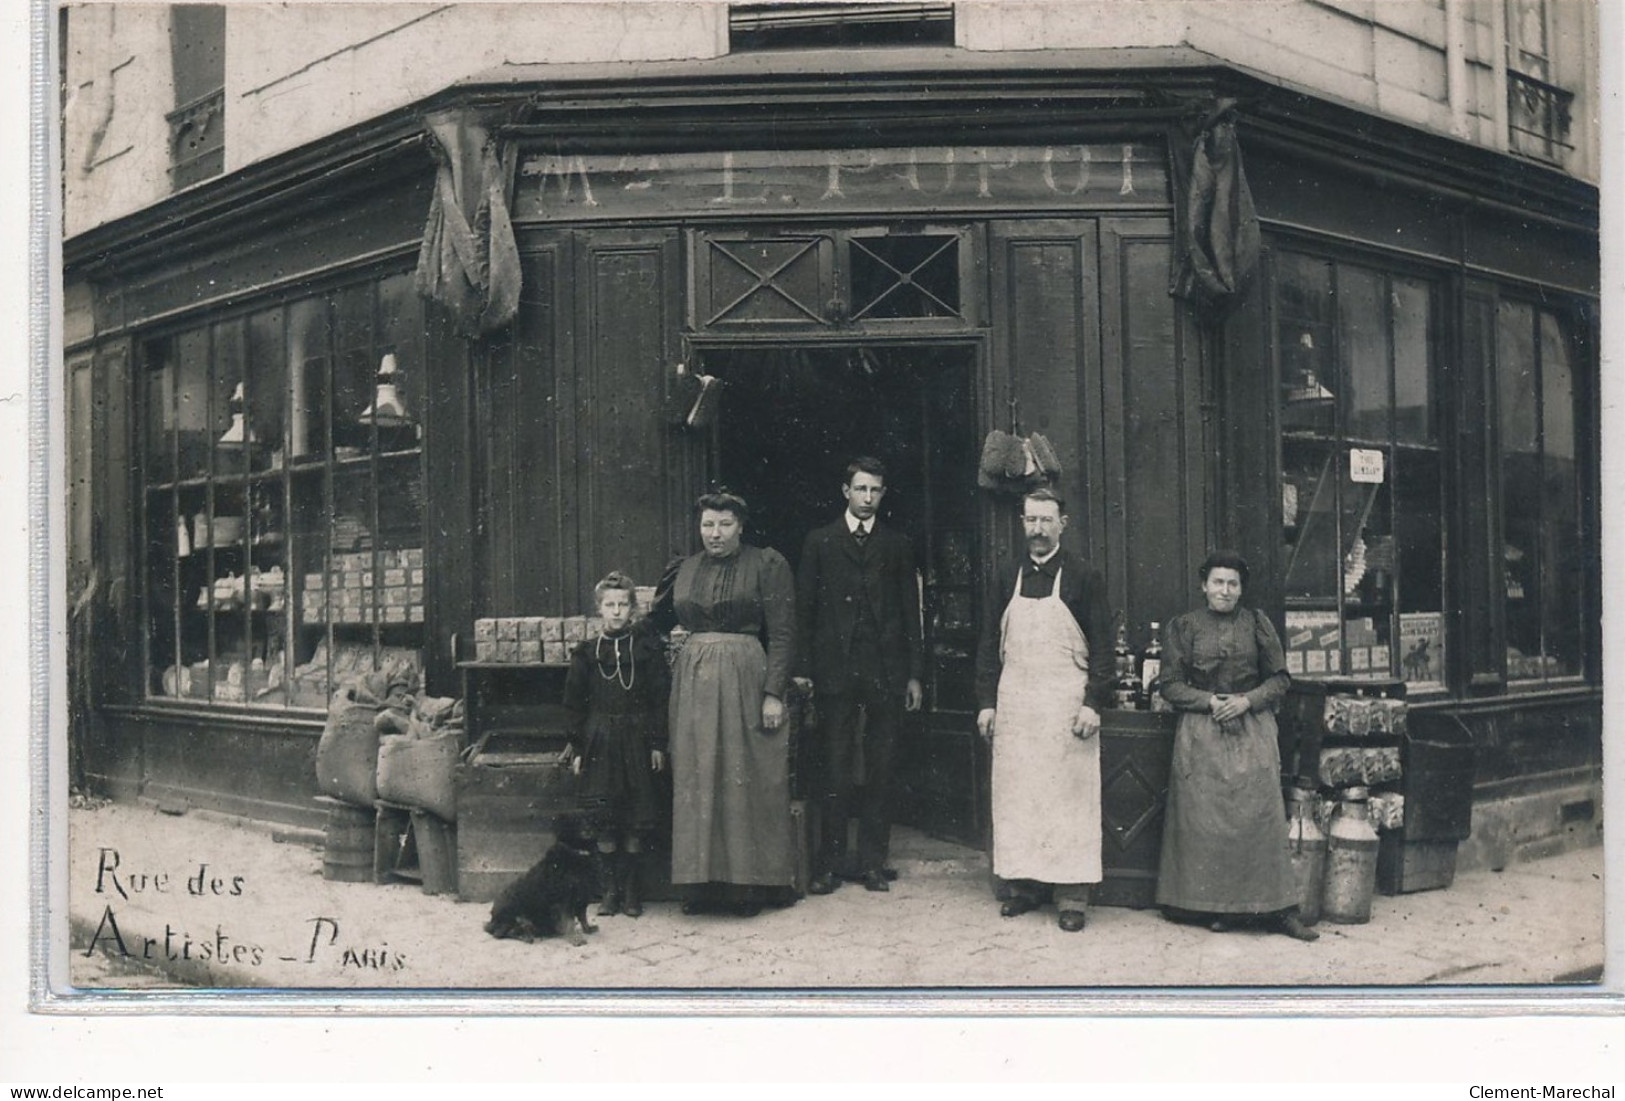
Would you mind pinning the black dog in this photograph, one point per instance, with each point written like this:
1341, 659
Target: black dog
551, 899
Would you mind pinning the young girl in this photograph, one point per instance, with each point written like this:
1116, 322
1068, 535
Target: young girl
616, 692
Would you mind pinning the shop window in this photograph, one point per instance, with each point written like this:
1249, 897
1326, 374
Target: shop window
1361, 489
283, 498
812, 26
1543, 540
197, 125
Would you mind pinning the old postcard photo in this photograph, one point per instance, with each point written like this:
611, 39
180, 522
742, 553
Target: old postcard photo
1031, 496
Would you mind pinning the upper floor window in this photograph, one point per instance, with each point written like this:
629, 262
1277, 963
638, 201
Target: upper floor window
197, 125
1538, 111
810, 26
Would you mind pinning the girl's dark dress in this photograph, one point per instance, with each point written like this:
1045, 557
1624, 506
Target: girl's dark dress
616, 692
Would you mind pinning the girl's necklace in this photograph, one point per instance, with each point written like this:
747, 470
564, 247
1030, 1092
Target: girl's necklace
615, 675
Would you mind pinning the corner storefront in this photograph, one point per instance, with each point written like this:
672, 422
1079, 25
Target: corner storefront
1393, 419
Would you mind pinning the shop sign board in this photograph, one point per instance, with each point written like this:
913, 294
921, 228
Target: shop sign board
555, 187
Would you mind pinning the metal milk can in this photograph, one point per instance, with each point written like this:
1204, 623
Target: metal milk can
1351, 861
1306, 848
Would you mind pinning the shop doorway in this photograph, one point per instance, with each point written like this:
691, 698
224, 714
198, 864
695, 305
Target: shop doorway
792, 417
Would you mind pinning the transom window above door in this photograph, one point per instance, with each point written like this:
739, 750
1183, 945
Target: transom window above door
846, 279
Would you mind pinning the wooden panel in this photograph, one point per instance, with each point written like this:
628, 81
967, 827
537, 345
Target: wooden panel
114, 517
448, 509
1135, 751
1301, 194
629, 313
262, 771
520, 432
1046, 348
307, 244
1243, 385
1154, 475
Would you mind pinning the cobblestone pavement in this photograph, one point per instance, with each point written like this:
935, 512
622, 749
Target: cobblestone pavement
203, 902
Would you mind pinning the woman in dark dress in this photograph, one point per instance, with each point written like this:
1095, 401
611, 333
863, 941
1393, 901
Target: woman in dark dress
616, 693
729, 754
1224, 839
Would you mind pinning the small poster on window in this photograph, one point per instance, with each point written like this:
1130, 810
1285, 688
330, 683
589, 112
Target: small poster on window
1421, 647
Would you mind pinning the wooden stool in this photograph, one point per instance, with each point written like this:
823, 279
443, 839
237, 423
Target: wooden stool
410, 845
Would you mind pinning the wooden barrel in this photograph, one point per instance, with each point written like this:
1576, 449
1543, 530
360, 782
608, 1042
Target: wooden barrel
348, 843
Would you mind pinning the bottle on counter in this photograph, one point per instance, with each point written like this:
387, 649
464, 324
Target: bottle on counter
1126, 688
1151, 671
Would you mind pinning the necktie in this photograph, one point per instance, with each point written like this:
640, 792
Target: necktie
861, 534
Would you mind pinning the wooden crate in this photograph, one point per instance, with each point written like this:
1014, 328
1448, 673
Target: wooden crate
506, 804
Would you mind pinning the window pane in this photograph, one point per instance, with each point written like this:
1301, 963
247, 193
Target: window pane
1561, 555
229, 416
267, 390
192, 420
1520, 487
309, 345
160, 412
909, 276
1363, 346
1515, 373
1412, 304
1420, 541
166, 535
354, 370
1304, 336
1367, 565
1309, 504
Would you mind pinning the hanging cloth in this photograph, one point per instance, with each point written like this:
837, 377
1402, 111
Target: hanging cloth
1215, 224
469, 260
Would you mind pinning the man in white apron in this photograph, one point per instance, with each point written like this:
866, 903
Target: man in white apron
1040, 692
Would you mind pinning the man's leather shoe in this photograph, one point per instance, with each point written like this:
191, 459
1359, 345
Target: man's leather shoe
1018, 905
823, 884
875, 881
859, 877
1071, 920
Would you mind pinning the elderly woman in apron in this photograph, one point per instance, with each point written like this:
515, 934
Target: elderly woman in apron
1039, 707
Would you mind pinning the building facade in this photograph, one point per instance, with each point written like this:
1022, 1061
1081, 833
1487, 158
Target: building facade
1317, 279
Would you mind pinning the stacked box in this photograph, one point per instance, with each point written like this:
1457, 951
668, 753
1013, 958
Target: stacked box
575, 628
1314, 642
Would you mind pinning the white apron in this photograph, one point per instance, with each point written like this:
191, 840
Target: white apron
1046, 781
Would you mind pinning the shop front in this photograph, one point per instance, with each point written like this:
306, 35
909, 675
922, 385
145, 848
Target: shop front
303, 467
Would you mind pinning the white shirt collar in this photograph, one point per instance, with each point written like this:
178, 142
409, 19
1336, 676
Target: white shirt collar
852, 523
1042, 561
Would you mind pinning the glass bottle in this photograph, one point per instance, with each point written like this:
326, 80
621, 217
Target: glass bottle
1126, 688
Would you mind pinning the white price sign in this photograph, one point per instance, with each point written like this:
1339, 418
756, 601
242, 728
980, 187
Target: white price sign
1365, 466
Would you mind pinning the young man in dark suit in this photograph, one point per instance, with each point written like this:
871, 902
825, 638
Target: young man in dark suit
858, 617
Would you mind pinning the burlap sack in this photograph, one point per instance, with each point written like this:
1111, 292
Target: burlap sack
420, 772
347, 755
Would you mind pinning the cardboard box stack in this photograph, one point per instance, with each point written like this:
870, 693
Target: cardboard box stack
364, 586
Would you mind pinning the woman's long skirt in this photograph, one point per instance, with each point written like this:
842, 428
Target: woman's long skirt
1224, 839
730, 780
